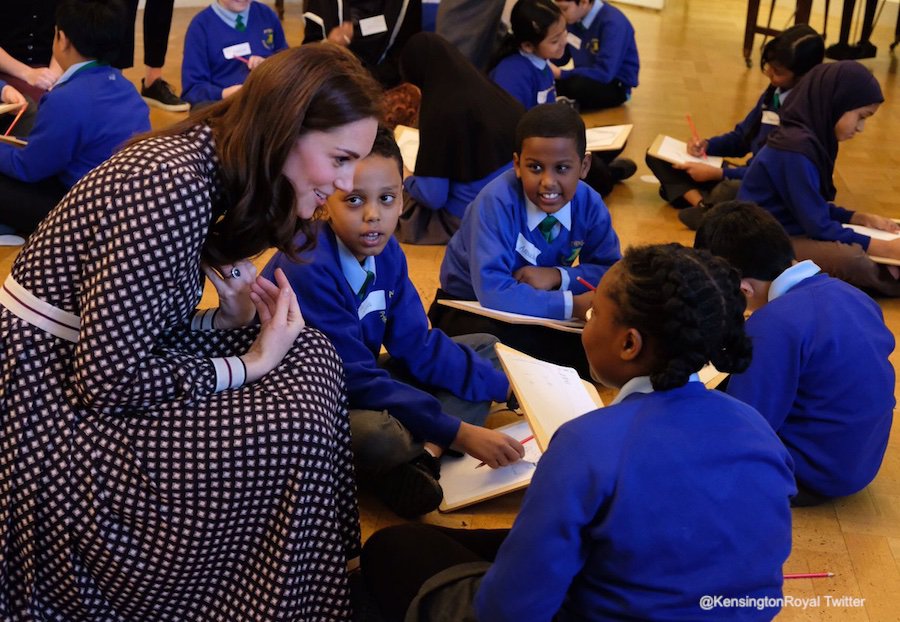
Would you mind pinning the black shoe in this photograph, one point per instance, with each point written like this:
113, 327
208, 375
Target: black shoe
160, 95
864, 49
621, 169
693, 216
411, 489
839, 51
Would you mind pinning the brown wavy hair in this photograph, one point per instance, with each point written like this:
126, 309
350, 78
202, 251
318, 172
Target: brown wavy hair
316, 87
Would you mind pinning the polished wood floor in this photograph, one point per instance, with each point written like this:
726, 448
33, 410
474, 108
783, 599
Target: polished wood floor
692, 62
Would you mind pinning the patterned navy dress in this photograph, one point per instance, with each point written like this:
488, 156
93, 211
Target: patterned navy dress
134, 483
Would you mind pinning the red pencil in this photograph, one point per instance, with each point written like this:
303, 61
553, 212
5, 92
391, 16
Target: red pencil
523, 441
809, 575
16, 120
585, 283
694, 133
242, 59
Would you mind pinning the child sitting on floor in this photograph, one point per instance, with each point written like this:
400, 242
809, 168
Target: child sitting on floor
433, 392
519, 241
640, 510
820, 372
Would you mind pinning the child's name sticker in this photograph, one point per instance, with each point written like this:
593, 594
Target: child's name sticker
573, 40
527, 250
373, 302
543, 95
372, 25
770, 117
241, 49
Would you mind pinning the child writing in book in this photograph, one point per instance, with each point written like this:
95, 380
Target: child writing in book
785, 59
602, 46
519, 240
433, 392
791, 177
223, 44
638, 510
90, 112
820, 373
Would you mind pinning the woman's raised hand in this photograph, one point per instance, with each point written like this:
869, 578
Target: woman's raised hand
232, 283
281, 323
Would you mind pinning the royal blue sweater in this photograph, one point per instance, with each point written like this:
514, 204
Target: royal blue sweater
607, 49
786, 184
821, 376
441, 193
522, 79
396, 320
639, 509
482, 256
79, 124
747, 136
204, 69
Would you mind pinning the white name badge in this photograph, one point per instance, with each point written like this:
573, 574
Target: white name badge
373, 302
527, 250
542, 95
574, 41
241, 49
372, 25
770, 117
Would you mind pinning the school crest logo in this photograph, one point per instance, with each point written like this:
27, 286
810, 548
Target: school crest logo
594, 46
574, 251
268, 39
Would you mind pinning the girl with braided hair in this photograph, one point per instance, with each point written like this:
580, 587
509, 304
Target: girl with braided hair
647, 509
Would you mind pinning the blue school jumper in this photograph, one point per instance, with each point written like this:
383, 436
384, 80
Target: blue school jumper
390, 314
606, 49
821, 376
527, 78
204, 69
750, 134
495, 239
786, 184
639, 509
441, 193
79, 124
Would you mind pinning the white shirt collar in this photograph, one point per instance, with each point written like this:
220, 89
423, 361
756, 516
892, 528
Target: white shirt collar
538, 62
641, 384
535, 215
230, 17
588, 19
354, 272
790, 277
72, 70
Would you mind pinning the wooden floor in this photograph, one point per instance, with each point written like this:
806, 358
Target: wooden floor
691, 61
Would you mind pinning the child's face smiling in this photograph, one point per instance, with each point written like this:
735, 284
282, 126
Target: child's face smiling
553, 45
574, 10
365, 217
549, 169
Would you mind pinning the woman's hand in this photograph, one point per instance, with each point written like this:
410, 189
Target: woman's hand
341, 34
232, 283
539, 278
493, 448
254, 62
41, 77
281, 323
9, 95
701, 172
875, 222
230, 90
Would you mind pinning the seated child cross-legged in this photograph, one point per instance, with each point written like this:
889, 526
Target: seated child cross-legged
638, 510
820, 373
520, 237
433, 392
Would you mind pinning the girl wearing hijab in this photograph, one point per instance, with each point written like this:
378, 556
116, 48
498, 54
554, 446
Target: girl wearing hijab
791, 177
466, 136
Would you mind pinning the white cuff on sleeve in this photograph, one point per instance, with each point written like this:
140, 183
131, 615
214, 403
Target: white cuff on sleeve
564, 279
203, 319
569, 304
230, 372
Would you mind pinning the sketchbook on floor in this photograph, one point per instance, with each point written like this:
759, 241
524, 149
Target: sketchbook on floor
473, 306
674, 151
607, 137
877, 234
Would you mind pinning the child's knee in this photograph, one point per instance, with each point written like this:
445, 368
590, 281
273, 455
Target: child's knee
380, 442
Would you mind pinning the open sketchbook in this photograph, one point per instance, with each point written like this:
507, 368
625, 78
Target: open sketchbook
674, 151
4, 108
877, 234
473, 306
408, 140
12, 140
550, 395
607, 137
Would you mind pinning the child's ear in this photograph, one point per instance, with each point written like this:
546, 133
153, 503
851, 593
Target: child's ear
747, 289
516, 165
632, 345
528, 47
586, 164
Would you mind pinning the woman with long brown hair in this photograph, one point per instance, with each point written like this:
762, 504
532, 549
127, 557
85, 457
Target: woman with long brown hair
162, 463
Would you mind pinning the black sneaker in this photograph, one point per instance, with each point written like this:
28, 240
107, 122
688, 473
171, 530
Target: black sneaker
411, 489
160, 95
622, 168
693, 216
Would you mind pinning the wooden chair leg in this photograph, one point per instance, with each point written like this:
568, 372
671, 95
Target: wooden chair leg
750, 29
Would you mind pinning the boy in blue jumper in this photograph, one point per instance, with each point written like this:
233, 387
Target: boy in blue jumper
520, 238
223, 44
433, 392
91, 111
820, 372
602, 46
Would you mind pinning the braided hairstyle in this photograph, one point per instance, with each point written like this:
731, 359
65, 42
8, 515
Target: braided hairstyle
689, 304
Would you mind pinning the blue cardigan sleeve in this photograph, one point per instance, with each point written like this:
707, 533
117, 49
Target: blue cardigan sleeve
432, 192
431, 356
51, 144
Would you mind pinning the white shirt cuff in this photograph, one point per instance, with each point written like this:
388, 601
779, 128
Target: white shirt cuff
203, 319
230, 372
564, 279
567, 301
